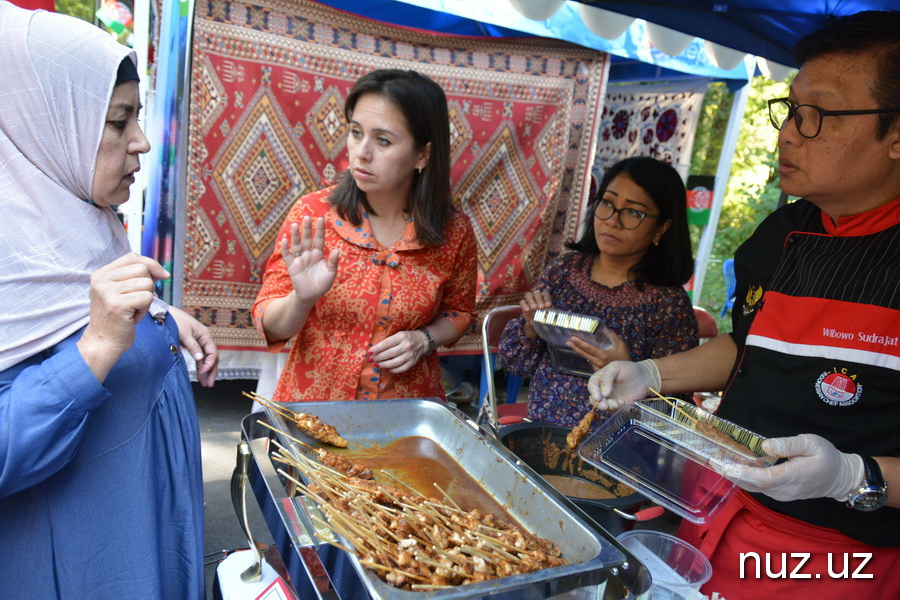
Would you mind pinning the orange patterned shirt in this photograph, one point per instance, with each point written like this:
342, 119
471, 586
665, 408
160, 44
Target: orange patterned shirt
378, 291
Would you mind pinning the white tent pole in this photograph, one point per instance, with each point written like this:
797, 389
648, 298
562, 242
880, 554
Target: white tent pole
140, 39
723, 172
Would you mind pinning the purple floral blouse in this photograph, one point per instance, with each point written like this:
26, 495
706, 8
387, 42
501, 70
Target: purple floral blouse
653, 322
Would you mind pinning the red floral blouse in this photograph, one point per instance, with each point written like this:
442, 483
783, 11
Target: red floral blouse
378, 291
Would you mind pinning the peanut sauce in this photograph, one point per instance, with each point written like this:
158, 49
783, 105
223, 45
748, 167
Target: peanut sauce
574, 487
420, 463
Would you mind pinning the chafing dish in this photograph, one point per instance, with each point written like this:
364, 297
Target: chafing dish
319, 570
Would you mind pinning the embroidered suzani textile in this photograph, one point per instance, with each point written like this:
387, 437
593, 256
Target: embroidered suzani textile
658, 120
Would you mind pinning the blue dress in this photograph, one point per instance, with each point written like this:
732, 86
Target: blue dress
101, 493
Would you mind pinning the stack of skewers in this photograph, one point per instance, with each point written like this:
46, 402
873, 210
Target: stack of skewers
410, 541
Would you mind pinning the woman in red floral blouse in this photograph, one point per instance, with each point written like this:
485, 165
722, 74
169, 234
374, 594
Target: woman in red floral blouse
374, 273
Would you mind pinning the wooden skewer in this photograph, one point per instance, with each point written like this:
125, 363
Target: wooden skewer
287, 435
400, 482
462, 558
290, 437
340, 547
375, 565
496, 545
447, 496
484, 555
295, 481
429, 509
673, 405
284, 412
424, 559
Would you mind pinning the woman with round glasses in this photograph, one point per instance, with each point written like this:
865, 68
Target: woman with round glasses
628, 268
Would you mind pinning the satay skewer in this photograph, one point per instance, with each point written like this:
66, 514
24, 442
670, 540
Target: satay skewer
428, 561
460, 558
366, 516
574, 437
311, 425
675, 406
284, 433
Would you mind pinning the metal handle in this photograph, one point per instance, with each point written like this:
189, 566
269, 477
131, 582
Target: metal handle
239, 500
641, 515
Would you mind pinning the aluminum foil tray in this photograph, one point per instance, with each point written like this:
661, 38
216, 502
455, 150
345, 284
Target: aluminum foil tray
537, 506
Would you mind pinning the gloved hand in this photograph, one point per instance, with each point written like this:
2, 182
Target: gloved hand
621, 383
814, 469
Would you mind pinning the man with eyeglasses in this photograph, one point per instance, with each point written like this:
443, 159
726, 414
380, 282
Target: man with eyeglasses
813, 362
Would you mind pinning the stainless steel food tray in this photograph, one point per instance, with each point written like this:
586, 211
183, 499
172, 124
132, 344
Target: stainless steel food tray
593, 553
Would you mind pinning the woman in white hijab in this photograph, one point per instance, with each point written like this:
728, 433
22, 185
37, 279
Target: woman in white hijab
101, 494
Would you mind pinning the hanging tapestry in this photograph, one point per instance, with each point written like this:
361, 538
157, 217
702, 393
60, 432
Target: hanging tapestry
658, 120
269, 79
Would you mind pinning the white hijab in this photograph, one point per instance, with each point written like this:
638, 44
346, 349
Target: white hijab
57, 75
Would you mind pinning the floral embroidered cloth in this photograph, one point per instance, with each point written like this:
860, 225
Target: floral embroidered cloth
653, 322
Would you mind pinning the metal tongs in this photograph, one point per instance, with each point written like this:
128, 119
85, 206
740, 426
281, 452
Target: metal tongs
239, 480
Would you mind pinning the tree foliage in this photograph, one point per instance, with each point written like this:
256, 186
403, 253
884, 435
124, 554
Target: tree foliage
82, 9
752, 191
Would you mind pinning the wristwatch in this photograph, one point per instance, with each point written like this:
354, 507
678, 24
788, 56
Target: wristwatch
872, 494
429, 338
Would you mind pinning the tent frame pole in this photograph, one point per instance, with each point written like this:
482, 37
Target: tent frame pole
723, 172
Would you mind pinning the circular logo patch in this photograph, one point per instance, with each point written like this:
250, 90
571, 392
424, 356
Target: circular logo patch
837, 389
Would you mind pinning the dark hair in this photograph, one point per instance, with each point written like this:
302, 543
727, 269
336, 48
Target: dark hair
127, 71
869, 32
424, 105
669, 263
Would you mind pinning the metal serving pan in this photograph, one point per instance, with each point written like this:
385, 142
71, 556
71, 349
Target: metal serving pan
593, 554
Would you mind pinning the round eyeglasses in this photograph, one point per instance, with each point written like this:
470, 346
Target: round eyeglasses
629, 218
808, 118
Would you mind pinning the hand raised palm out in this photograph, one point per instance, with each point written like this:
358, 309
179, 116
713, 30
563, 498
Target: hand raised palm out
311, 274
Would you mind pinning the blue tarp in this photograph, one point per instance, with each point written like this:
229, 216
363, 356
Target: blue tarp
764, 28
497, 18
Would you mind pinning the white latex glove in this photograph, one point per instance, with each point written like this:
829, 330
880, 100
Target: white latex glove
621, 383
814, 469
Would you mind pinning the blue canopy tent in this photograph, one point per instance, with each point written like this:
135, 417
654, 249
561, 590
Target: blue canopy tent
751, 35
761, 31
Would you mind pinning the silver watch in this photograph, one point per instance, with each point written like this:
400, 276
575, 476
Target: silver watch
872, 494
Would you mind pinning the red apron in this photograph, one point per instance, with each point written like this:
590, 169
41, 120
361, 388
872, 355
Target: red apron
787, 558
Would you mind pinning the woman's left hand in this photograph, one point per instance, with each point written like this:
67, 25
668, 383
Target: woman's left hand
312, 275
598, 357
399, 352
198, 340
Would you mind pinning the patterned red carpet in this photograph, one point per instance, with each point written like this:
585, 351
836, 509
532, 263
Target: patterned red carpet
266, 126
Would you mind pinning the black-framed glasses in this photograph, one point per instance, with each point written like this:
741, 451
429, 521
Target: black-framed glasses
629, 218
808, 118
